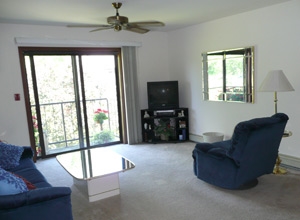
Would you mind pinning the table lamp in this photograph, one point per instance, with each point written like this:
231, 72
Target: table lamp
275, 82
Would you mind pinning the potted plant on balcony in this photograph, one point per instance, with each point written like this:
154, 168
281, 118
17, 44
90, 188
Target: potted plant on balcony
103, 137
36, 135
163, 129
100, 116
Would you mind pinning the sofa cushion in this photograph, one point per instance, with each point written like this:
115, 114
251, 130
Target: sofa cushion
29, 185
10, 184
28, 170
10, 155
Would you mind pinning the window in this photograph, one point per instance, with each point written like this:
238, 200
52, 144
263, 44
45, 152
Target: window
228, 75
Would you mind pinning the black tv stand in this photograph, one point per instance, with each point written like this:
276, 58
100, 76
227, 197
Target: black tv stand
165, 125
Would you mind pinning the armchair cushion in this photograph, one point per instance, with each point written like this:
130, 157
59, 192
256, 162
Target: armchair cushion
243, 130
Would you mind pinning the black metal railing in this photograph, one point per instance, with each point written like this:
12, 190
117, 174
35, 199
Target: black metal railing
60, 122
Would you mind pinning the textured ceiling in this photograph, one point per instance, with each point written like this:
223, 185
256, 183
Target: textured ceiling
175, 14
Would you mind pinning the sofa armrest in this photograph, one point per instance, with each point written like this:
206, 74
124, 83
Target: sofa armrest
33, 196
27, 153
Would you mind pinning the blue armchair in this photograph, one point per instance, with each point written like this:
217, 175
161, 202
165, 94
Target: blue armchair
251, 153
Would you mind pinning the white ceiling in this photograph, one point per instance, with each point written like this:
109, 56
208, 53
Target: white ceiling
174, 13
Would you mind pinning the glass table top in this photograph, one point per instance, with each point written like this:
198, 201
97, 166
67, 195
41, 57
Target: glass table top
91, 163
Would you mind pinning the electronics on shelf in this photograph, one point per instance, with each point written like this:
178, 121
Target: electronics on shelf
160, 113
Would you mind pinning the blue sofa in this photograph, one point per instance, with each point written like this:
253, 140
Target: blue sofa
43, 202
251, 152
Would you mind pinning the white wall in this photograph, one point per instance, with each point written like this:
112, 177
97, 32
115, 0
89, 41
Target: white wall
275, 33
152, 65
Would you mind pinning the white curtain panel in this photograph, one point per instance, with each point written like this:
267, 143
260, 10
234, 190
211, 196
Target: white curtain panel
131, 95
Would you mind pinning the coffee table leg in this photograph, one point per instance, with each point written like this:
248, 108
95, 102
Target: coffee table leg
101, 187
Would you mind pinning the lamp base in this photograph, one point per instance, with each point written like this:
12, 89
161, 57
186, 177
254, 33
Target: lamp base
277, 169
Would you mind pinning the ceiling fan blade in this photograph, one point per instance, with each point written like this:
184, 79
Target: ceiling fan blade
87, 25
136, 29
98, 27
147, 23
104, 27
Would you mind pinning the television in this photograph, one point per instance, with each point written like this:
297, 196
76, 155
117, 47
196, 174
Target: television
163, 95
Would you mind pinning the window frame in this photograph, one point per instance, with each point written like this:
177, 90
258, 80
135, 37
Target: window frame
30, 51
248, 75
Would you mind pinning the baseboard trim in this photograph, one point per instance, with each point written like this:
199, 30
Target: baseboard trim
195, 138
290, 161
286, 160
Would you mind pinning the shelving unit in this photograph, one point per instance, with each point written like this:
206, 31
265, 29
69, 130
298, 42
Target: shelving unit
170, 125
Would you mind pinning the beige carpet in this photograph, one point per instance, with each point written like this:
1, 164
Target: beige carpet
162, 186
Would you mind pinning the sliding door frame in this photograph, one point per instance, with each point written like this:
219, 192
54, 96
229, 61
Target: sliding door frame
31, 51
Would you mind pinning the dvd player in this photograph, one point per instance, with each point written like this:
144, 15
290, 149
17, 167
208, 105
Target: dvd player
164, 113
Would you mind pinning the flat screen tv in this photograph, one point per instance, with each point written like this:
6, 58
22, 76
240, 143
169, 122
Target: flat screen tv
163, 95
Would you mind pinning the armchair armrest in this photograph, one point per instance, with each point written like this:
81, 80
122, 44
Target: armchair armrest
211, 150
217, 150
203, 147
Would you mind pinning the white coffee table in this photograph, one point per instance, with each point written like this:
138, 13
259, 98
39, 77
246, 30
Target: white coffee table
96, 171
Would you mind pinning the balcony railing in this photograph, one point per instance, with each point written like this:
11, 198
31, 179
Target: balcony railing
61, 127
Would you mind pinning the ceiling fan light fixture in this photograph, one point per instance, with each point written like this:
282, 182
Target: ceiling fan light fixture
117, 27
115, 19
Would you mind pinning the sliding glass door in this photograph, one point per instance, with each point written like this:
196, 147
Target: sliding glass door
73, 98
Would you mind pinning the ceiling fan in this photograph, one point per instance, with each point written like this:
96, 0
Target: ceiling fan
119, 23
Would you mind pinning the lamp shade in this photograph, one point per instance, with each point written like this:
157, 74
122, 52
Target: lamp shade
276, 81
